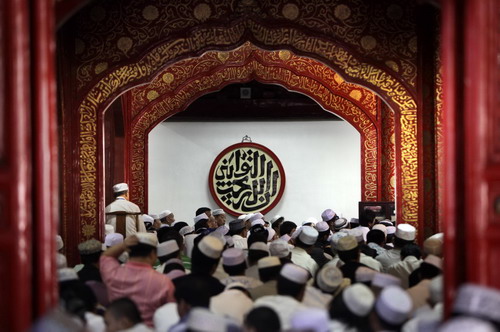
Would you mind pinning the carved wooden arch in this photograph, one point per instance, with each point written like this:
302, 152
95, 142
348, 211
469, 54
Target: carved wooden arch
120, 79
242, 65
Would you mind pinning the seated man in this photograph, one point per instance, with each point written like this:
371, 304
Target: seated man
136, 279
122, 314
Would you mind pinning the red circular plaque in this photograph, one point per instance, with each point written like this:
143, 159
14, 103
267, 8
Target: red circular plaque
246, 178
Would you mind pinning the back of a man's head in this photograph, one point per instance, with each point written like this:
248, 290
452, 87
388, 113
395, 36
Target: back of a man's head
411, 249
193, 289
375, 236
287, 227
202, 210
125, 308
141, 250
204, 263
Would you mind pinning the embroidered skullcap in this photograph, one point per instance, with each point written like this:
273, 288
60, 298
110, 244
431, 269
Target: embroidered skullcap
257, 222
217, 212
364, 274
359, 299
394, 305
66, 274
380, 227
434, 245
336, 238
61, 261
203, 320
294, 273
391, 230
113, 239
357, 233
270, 261
256, 216
89, 247
120, 187
340, 223
211, 247
270, 233
108, 229
329, 278
405, 232
164, 214
149, 239
328, 215
478, 301
59, 242
233, 256
456, 324
279, 248
310, 220
236, 225
219, 236
308, 235
382, 280
167, 248
347, 243
322, 226
147, 218
200, 217
310, 319
259, 246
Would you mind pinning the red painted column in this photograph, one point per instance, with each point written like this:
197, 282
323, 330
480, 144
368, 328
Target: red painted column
15, 168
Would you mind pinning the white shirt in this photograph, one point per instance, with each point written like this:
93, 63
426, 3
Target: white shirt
370, 262
121, 204
240, 242
315, 298
404, 268
284, 306
301, 258
388, 258
166, 316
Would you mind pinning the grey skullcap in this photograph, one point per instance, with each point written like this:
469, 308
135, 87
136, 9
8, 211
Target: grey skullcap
89, 247
237, 224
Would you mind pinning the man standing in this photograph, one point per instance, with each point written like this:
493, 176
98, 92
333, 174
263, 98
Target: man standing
122, 214
167, 218
137, 279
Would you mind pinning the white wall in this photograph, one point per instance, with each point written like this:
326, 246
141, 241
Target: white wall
321, 160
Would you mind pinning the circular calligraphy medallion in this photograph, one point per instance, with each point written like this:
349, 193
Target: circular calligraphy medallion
246, 178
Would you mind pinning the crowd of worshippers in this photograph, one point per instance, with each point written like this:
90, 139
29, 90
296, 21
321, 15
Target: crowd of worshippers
258, 274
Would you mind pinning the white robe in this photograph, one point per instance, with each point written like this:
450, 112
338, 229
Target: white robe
121, 204
301, 258
284, 306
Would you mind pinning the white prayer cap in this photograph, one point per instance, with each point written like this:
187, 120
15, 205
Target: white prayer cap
457, 324
220, 236
66, 274
322, 226
359, 299
296, 232
217, 212
175, 274
357, 233
154, 216
147, 238
478, 301
285, 238
61, 261
391, 230
108, 229
232, 303
294, 273
211, 247
186, 230
242, 217
279, 248
364, 274
259, 246
380, 227
310, 220
434, 246
146, 218
328, 214
236, 225
248, 216
270, 233
347, 243
167, 248
336, 238
229, 240
310, 319
405, 232
223, 230
256, 216
59, 242
257, 222
308, 235
201, 216
340, 223
113, 239
275, 218
203, 320
166, 213
329, 278
90, 247
386, 222
436, 289
393, 305
270, 261
382, 280
434, 260
120, 187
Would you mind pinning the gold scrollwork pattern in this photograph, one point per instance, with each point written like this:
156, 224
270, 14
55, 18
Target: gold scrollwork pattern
339, 58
